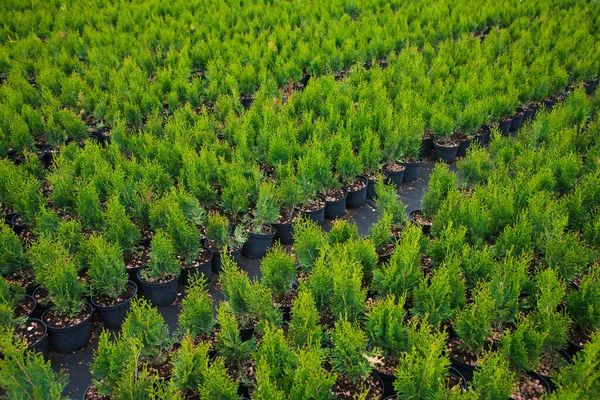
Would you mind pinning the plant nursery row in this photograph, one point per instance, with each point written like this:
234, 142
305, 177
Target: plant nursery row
149, 145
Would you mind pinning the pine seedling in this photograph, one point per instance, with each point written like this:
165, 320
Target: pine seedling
278, 269
106, 268
229, 343
523, 346
384, 326
113, 359
473, 324
342, 231
144, 323
309, 242
196, 317
88, 206
582, 304
163, 263
311, 380
441, 182
26, 374
12, 256
388, 202
421, 372
119, 227
278, 358
349, 345
190, 364
217, 384
304, 329
493, 379
403, 272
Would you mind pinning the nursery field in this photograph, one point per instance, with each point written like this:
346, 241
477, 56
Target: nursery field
280, 199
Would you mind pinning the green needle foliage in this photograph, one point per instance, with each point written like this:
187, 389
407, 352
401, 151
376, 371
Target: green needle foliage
26, 375
119, 227
114, 359
583, 305
441, 182
381, 232
229, 343
388, 202
184, 235
163, 263
88, 205
473, 324
65, 291
385, 328
348, 298
523, 346
217, 384
433, 297
196, 317
349, 345
12, 256
309, 242
342, 231
493, 379
279, 359
144, 323
267, 209
304, 329
278, 269
190, 364
106, 268
311, 380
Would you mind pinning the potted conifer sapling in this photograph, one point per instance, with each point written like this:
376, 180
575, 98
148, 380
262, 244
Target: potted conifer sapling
444, 145
278, 270
260, 230
288, 194
220, 240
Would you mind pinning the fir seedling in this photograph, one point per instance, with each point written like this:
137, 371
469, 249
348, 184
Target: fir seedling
196, 317
309, 242
507, 282
217, 384
10, 296
278, 358
278, 269
217, 229
26, 374
493, 379
266, 388
342, 231
236, 288
348, 298
144, 323
12, 256
190, 364
381, 234
565, 253
229, 343
349, 345
384, 326
267, 209
347, 165
432, 298
113, 360
184, 235
320, 284
163, 263
119, 227
304, 329
581, 380
65, 291
106, 268
370, 153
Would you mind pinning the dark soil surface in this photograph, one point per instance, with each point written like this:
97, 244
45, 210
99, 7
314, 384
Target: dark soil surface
55, 320
106, 301
31, 331
345, 389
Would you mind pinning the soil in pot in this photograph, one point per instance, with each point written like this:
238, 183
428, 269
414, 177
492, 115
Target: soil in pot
139, 259
161, 292
201, 266
258, 243
417, 217
69, 334
113, 311
25, 307
385, 370
34, 332
216, 264
483, 135
529, 387
335, 203
577, 339
446, 151
357, 193
284, 227
551, 363
394, 173
463, 360
345, 389
285, 304
385, 253
314, 210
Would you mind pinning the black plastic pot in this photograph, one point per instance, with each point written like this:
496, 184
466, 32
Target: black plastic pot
159, 294
573, 348
30, 299
358, 198
528, 114
543, 381
235, 255
71, 338
247, 102
426, 147
466, 370
445, 153
395, 177
549, 379
132, 273
257, 245
549, 103
370, 188
504, 126
317, 216
336, 208
285, 233
246, 334
483, 135
42, 344
517, 120
590, 86
204, 269
17, 226
463, 145
425, 228
411, 173
113, 316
